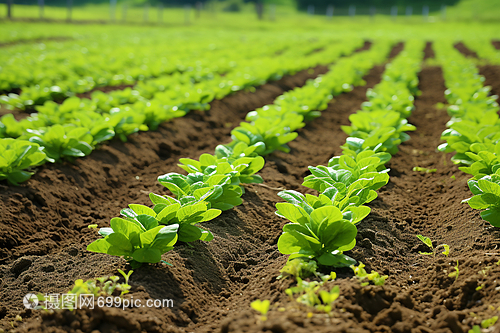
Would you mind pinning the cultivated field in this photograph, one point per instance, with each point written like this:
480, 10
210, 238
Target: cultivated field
210, 163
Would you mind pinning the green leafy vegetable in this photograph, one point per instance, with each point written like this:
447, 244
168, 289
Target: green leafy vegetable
323, 235
486, 196
16, 156
139, 240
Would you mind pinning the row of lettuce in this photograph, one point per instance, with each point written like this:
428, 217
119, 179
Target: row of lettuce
473, 131
58, 70
214, 182
322, 227
77, 126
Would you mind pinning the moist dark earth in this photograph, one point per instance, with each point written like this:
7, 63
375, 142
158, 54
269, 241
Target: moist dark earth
44, 232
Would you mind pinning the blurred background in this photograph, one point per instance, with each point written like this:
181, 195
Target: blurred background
174, 12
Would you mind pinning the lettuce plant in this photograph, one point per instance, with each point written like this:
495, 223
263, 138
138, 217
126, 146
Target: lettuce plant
351, 210
11, 128
126, 122
16, 156
390, 96
368, 121
268, 135
461, 135
171, 211
325, 179
322, 235
485, 157
139, 240
222, 191
486, 196
246, 166
60, 142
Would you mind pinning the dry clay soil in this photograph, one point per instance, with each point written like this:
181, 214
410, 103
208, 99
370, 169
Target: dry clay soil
43, 232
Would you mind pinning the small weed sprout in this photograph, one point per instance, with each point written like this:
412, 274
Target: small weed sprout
455, 273
424, 170
309, 293
475, 329
487, 323
299, 268
262, 307
102, 286
362, 275
427, 241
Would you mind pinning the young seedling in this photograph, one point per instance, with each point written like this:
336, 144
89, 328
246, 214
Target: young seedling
309, 293
299, 268
362, 275
475, 329
262, 307
455, 273
487, 323
427, 241
420, 169
102, 286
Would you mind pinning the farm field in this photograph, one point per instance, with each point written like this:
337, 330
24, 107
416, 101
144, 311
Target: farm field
334, 149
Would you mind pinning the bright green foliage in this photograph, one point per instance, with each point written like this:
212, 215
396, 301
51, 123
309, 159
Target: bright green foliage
291, 120
60, 142
323, 227
462, 135
456, 273
262, 307
125, 123
221, 190
169, 211
363, 275
348, 180
299, 269
323, 235
368, 125
139, 240
268, 135
391, 95
310, 293
486, 196
164, 89
217, 178
487, 323
427, 241
348, 204
475, 329
271, 127
485, 159
16, 156
145, 233
424, 170
11, 128
246, 166
99, 287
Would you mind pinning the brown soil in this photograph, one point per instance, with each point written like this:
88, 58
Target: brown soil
106, 89
496, 44
396, 49
491, 74
44, 234
465, 50
36, 40
429, 51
